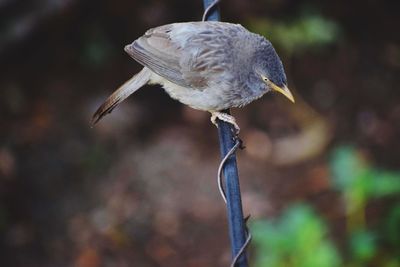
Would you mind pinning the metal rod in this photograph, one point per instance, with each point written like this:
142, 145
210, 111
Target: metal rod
236, 223
227, 139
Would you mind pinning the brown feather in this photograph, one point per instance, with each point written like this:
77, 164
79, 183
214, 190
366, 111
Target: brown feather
128, 88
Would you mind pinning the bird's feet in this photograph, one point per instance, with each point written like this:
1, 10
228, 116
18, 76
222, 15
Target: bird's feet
224, 117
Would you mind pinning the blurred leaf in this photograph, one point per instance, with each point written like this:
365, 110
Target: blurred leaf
392, 263
345, 164
354, 176
306, 32
392, 226
362, 244
385, 183
298, 239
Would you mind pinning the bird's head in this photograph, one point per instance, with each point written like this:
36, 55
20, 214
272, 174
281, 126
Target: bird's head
269, 69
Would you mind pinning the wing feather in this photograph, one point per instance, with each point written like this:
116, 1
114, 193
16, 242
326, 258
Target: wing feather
187, 54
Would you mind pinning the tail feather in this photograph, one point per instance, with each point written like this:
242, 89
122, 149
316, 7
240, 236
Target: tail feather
128, 88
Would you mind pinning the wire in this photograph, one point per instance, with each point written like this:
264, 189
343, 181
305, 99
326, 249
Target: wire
209, 8
243, 248
221, 166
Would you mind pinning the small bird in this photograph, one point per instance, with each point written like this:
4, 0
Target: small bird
207, 65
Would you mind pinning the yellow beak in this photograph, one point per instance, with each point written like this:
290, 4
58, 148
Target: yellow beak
283, 90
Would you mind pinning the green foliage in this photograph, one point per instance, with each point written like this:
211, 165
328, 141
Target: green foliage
362, 246
392, 227
305, 32
297, 239
358, 180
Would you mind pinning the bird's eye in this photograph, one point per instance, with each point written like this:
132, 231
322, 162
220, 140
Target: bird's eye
265, 79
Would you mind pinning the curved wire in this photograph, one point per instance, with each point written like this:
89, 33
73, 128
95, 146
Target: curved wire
209, 8
242, 249
221, 165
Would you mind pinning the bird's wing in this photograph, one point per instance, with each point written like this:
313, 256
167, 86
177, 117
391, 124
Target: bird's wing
159, 53
187, 54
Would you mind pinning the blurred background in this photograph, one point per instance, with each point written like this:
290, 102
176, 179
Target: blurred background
320, 179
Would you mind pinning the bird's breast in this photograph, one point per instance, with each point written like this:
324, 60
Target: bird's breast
208, 99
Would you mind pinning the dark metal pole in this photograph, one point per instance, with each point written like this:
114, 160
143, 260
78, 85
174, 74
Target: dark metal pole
227, 139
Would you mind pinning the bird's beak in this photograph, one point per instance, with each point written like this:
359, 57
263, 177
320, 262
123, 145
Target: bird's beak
283, 90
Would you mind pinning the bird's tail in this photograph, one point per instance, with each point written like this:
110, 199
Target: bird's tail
128, 88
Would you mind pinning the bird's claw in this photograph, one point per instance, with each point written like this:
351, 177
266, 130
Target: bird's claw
226, 118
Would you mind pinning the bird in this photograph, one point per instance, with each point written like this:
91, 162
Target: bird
207, 65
